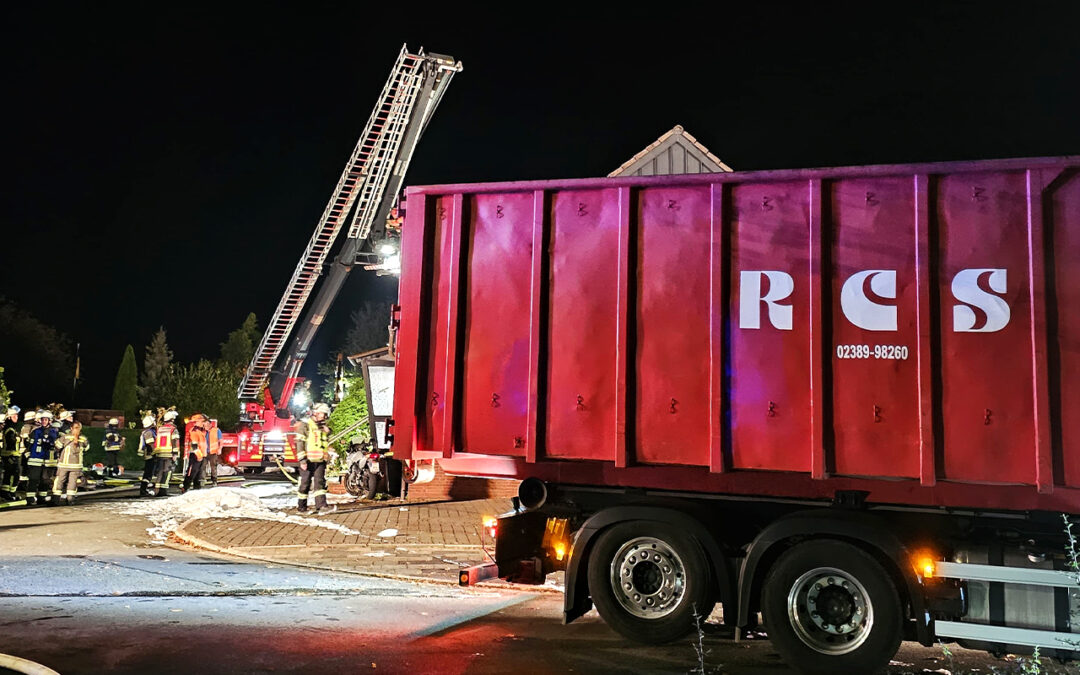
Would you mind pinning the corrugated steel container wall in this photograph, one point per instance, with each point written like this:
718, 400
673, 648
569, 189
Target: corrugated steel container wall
909, 330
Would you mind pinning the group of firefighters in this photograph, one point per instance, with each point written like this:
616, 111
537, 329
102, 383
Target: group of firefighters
47, 454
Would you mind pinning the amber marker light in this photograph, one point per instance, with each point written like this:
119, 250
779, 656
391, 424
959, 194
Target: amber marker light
560, 551
490, 524
925, 566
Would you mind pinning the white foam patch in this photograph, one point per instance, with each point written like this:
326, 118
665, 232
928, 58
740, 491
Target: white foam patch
221, 502
387, 533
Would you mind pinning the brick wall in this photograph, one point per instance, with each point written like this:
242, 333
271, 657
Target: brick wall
459, 488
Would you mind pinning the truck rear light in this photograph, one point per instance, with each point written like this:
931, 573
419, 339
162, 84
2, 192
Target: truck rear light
231, 458
555, 541
491, 526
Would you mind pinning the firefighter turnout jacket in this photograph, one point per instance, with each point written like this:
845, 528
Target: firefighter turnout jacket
167, 443
312, 441
203, 442
147, 442
70, 449
41, 449
12, 445
113, 441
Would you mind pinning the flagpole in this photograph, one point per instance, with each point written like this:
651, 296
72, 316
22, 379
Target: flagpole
75, 380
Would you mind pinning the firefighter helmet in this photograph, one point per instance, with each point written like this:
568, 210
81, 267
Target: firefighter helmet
114, 422
320, 408
30, 416
169, 415
148, 421
44, 415
65, 415
13, 411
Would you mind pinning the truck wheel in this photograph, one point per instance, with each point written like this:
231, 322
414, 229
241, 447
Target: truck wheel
647, 581
831, 608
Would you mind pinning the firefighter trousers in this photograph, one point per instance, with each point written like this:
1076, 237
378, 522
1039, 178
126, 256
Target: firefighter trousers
312, 483
112, 459
37, 483
163, 468
213, 461
147, 481
11, 468
66, 485
193, 472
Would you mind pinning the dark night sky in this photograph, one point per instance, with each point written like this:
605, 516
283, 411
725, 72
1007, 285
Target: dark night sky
165, 165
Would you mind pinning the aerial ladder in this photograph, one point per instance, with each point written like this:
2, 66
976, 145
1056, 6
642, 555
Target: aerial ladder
360, 204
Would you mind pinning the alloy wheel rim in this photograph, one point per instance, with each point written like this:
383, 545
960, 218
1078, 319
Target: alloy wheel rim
830, 611
648, 578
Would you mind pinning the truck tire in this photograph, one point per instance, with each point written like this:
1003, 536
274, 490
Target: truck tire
830, 607
647, 581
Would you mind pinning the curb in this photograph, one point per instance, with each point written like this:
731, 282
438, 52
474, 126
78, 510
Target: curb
24, 666
188, 539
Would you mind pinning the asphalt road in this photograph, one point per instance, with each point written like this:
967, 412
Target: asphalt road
83, 591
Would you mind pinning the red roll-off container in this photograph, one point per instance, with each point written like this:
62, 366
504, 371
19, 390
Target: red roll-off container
912, 331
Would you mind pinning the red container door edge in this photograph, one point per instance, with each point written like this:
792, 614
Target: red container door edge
581, 340
494, 408
1064, 214
671, 366
432, 418
875, 387
986, 356
770, 334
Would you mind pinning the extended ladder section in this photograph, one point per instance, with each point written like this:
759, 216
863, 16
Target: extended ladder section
363, 184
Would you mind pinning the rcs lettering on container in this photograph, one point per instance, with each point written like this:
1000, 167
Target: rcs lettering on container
869, 313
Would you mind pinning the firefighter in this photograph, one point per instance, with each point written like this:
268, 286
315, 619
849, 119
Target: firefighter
313, 451
10, 456
41, 456
113, 444
214, 448
147, 441
166, 451
65, 419
29, 424
196, 449
70, 449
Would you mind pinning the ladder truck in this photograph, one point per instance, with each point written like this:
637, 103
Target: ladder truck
360, 205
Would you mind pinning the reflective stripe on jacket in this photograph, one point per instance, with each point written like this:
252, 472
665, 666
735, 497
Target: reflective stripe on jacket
71, 449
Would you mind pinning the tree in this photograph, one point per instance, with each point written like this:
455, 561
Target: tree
43, 355
5, 393
156, 366
352, 409
206, 387
369, 328
239, 346
125, 390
